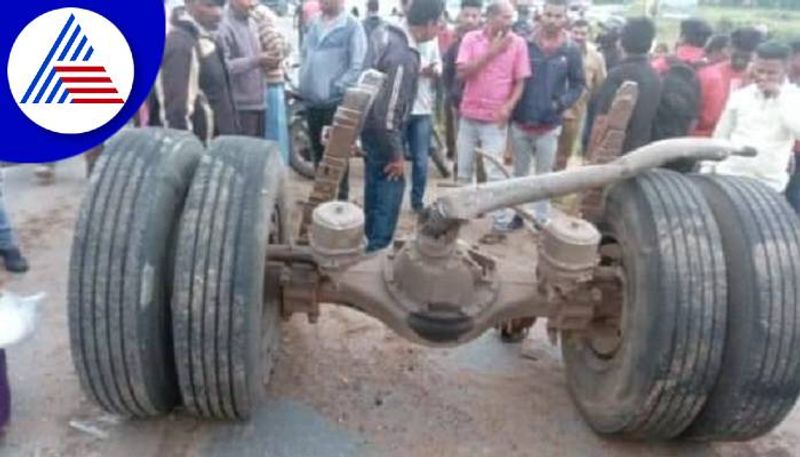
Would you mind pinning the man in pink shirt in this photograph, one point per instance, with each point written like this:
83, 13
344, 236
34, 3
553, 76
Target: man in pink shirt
493, 63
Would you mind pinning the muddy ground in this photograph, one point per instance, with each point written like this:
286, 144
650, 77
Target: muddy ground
344, 387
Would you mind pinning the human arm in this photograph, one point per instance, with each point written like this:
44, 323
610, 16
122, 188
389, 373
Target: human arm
713, 101
468, 65
433, 69
789, 111
180, 82
357, 53
576, 81
503, 115
727, 121
392, 106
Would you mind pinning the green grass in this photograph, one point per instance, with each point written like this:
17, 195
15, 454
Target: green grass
783, 24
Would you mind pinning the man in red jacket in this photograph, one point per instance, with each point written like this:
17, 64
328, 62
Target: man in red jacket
691, 51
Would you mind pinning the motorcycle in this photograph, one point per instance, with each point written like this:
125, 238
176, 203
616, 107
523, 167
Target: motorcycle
300, 155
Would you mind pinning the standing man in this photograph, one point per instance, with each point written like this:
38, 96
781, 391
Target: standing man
636, 40
373, 19
524, 24
764, 115
244, 59
493, 63
395, 52
594, 70
555, 86
733, 71
306, 12
332, 59
13, 260
718, 49
469, 19
793, 189
608, 40
419, 129
691, 56
192, 91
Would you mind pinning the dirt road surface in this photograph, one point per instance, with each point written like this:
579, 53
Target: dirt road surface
344, 387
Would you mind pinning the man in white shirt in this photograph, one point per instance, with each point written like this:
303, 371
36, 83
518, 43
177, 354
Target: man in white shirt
419, 129
764, 115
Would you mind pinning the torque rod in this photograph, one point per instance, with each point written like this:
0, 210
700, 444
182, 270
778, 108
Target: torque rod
468, 202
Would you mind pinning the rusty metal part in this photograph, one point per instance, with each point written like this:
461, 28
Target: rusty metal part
467, 202
347, 123
290, 253
423, 275
300, 285
428, 312
527, 215
608, 138
608, 132
337, 234
515, 330
605, 330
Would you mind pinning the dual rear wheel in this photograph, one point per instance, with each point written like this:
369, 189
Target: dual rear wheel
167, 296
708, 320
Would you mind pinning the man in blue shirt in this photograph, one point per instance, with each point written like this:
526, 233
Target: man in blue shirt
333, 55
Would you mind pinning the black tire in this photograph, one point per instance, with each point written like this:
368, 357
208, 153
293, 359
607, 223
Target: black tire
226, 325
300, 149
119, 278
673, 313
760, 376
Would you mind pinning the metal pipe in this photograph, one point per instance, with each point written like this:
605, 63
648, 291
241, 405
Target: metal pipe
469, 202
290, 253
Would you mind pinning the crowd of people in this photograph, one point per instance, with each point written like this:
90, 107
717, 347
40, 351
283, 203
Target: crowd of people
505, 82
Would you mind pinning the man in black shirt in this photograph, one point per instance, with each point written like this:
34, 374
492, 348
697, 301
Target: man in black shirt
193, 91
637, 39
469, 19
393, 51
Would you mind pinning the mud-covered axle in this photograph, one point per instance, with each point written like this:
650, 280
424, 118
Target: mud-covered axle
433, 288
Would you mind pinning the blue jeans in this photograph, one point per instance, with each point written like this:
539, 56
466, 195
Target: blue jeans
418, 140
492, 139
382, 197
541, 147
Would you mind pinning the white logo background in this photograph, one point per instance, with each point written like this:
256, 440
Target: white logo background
111, 50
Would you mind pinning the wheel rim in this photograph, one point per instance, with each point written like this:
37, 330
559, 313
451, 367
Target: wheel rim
605, 333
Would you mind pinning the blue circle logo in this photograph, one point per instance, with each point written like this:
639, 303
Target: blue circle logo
75, 75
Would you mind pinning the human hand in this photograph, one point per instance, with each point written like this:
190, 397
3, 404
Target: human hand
269, 60
430, 71
502, 115
499, 44
395, 169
